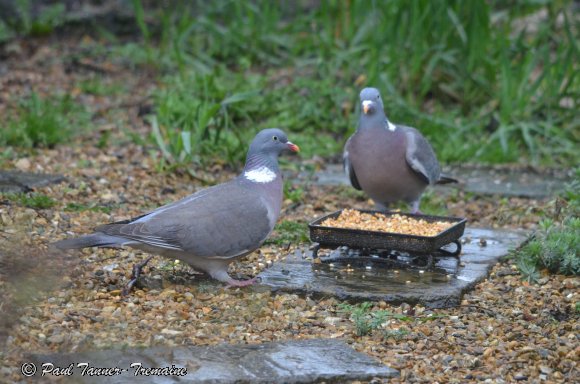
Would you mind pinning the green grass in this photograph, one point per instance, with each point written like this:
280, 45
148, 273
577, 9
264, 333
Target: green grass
366, 320
20, 19
32, 200
459, 71
198, 116
479, 88
293, 192
289, 232
96, 86
44, 122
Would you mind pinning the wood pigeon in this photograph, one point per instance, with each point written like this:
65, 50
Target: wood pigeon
214, 226
389, 162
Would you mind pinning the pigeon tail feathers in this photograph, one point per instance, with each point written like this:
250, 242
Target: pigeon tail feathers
93, 240
444, 179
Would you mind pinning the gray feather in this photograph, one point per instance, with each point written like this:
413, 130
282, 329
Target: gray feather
444, 179
219, 221
351, 174
420, 155
92, 240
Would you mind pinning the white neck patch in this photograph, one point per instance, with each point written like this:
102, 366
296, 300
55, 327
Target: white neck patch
392, 127
260, 175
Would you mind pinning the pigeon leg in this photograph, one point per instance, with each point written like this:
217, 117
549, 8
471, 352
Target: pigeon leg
137, 269
382, 207
415, 207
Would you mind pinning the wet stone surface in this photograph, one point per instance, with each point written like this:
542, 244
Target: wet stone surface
480, 179
353, 278
14, 181
299, 361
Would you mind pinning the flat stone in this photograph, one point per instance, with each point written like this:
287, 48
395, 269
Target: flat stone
15, 181
368, 279
506, 181
296, 361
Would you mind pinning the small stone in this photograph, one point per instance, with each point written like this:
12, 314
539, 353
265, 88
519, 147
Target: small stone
545, 369
110, 267
56, 339
22, 164
332, 320
170, 332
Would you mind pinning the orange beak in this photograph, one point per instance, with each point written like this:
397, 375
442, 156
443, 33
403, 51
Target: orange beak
367, 105
293, 147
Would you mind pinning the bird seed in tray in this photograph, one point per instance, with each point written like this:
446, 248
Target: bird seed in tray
354, 219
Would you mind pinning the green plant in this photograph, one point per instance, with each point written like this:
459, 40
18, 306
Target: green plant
478, 89
292, 192
397, 334
44, 122
366, 320
197, 116
288, 231
556, 244
32, 200
557, 250
96, 86
18, 17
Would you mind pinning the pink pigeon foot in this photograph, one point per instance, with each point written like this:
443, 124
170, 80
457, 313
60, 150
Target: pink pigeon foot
240, 283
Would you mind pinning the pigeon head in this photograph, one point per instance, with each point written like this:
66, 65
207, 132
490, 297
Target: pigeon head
262, 160
371, 101
271, 142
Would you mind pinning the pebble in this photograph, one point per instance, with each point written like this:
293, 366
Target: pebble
170, 332
56, 339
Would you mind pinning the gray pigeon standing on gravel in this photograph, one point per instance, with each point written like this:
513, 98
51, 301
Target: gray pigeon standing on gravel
214, 226
389, 162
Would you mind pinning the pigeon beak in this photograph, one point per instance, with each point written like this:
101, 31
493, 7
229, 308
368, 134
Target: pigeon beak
293, 147
368, 106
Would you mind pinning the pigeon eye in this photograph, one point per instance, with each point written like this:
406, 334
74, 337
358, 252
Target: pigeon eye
275, 138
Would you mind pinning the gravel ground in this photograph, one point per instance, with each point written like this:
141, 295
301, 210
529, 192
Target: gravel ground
505, 330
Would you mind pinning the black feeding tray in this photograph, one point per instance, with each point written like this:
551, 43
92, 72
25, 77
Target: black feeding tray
330, 237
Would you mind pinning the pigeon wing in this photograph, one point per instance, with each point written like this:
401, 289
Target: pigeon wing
348, 166
420, 155
222, 221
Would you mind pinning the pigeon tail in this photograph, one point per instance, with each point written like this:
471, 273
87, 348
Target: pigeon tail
93, 240
443, 179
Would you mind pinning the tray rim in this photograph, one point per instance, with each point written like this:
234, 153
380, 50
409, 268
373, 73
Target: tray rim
458, 221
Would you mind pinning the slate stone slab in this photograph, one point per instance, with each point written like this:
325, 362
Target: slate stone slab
480, 179
14, 181
366, 279
296, 361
